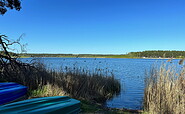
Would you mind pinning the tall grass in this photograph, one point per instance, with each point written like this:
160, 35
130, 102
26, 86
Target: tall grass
165, 91
82, 84
76, 82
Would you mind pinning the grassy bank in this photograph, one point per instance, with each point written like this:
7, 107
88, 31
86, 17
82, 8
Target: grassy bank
165, 91
89, 107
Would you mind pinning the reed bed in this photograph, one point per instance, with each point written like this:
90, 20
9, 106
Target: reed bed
81, 83
165, 91
76, 82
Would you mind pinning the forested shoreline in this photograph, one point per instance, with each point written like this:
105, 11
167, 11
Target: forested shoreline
142, 54
159, 54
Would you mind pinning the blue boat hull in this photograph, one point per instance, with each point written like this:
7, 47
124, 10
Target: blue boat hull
55, 105
11, 91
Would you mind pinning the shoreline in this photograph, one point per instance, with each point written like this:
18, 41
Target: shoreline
90, 107
104, 57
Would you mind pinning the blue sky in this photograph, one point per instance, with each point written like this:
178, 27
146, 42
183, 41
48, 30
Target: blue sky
97, 26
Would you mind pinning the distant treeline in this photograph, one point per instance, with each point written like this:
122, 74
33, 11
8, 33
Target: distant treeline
147, 54
64, 55
159, 54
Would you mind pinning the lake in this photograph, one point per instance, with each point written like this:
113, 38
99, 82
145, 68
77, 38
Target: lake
130, 72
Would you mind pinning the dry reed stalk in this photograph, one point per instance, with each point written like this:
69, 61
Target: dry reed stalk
165, 92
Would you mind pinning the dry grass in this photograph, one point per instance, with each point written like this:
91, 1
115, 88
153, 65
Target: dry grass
165, 91
47, 90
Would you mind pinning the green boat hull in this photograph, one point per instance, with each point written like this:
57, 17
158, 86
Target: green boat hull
53, 105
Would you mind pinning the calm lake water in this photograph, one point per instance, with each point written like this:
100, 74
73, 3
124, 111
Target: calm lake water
130, 72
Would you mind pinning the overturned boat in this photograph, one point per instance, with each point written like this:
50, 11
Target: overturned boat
56, 104
10, 91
